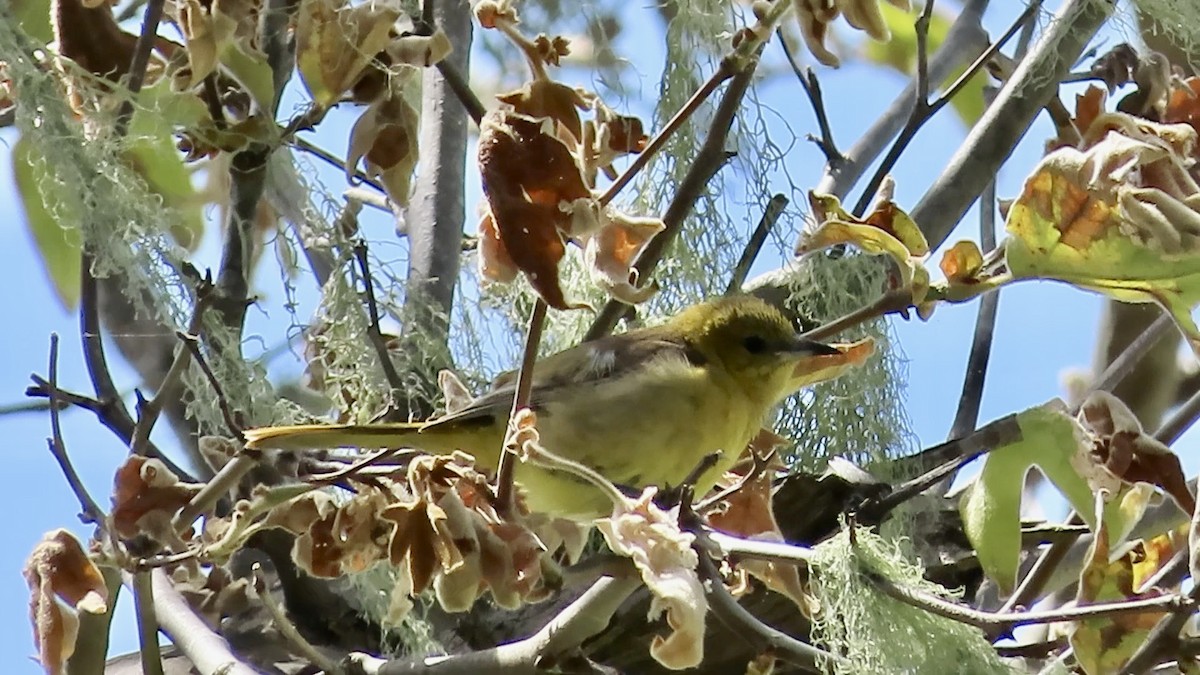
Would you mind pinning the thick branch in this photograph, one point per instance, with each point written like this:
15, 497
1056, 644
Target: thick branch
437, 210
709, 160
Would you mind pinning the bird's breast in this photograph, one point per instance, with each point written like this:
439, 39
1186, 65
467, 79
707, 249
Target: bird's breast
649, 428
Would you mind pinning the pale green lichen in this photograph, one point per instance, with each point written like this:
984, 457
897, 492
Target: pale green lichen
878, 635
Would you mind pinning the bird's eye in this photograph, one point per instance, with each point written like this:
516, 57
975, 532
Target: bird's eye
755, 344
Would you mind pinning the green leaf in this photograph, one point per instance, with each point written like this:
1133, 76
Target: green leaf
900, 53
153, 154
991, 509
59, 246
1082, 219
33, 16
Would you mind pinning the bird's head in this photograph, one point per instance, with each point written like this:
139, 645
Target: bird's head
754, 342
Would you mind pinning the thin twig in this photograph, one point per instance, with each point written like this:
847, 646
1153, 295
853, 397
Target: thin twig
723, 72
288, 629
121, 426
91, 510
147, 623
770, 216
508, 456
373, 331
965, 449
582, 619
192, 343
462, 90
709, 160
966, 417
149, 411
759, 635
333, 160
214, 489
965, 39
139, 63
924, 110
1180, 421
771, 551
891, 302
812, 89
357, 467
1004, 123
1131, 356
1004, 622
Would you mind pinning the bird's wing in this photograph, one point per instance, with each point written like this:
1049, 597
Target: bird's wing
591, 363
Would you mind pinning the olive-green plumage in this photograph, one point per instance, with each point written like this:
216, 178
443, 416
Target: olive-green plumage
641, 408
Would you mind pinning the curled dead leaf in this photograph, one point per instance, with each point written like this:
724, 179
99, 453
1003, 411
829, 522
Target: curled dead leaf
385, 135
341, 541
145, 495
62, 581
663, 555
1129, 453
335, 41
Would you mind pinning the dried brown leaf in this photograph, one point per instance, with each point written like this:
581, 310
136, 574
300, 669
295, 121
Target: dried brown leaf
146, 487
62, 580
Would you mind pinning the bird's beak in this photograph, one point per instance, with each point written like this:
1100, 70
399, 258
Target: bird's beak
801, 347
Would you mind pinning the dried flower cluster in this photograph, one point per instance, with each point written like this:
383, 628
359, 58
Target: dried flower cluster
816, 16
539, 161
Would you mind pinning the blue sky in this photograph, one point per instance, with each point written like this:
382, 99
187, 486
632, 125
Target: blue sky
1042, 329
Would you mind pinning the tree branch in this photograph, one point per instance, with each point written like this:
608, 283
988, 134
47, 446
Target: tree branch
1007, 120
579, 621
709, 160
965, 40
437, 211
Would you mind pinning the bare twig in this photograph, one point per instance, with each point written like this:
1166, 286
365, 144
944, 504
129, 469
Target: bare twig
121, 426
1004, 622
1131, 356
508, 456
758, 634
770, 216
137, 66
812, 89
1179, 422
892, 302
738, 548
192, 344
969, 401
214, 489
462, 90
58, 448
373, 331
711, 157
288, 629
148, 411
335, 161
923, 110
582, 619
965, 449
724, 72
1005, 122
147, 623
965, 40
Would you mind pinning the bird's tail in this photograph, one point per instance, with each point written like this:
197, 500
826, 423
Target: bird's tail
313, 436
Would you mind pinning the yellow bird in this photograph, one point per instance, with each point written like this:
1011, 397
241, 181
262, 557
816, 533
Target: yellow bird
642, 408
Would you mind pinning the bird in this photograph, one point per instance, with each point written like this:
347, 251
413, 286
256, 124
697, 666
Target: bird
642, 408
